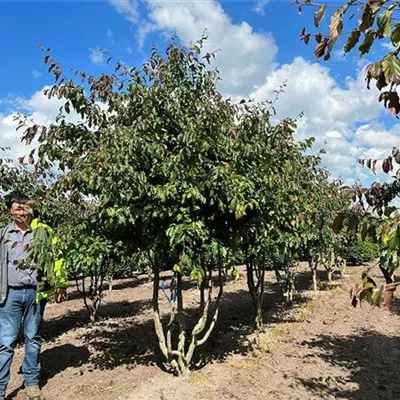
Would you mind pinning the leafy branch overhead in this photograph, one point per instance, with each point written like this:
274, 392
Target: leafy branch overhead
361, 25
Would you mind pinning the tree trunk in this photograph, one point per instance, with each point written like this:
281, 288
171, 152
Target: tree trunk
329, 275
289, 287
255, 283
178, 358
313, 264
314, 280
258, 320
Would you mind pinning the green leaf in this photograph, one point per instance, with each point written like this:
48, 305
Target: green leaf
395, 37
389, 210
352, 40
391, 68
330, 46
365, 46
376, 297
394, 239
319, 14
384, 22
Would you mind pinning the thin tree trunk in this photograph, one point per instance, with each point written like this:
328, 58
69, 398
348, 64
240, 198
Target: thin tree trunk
313, 264
314, 280
329, 275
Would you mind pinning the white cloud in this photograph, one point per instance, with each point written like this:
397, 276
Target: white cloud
144, 29
388, 46
246, 57
333, 134
37, 108
36, 74
259, 7
97, 56
376, 136
331, 112
128, 8
109, 33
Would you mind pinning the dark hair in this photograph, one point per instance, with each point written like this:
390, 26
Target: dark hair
16, 197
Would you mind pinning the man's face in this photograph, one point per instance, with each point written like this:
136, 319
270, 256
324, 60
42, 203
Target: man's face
19, 212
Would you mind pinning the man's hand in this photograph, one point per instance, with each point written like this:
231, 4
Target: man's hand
61, 295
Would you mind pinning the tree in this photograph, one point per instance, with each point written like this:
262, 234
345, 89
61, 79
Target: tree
321, 245
91, 251
377, 23
154, 159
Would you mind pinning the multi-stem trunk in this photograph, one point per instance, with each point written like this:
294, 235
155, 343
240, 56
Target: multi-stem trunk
329, 262
255, 282
180, 357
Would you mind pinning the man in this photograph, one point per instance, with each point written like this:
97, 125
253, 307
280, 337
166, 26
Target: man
30, 273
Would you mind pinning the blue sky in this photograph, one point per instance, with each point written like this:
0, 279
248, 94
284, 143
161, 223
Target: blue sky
260, 48
72, 28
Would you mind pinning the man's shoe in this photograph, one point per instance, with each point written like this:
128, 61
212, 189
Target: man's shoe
34, 392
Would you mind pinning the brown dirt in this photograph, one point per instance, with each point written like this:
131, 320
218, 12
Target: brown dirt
320, 349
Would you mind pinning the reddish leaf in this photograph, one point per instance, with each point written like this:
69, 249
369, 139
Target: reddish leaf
374, 71
57, 72
336, 25
391, 101
320, 48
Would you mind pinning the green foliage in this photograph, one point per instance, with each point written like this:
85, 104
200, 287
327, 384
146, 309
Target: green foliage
91, 255
361, 253
166, 168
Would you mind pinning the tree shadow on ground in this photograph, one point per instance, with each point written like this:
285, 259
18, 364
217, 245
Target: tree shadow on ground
303, 280
122, 339
370, 360
56, 360
55, 327
130, 343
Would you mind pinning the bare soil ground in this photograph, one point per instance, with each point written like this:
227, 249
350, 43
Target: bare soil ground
322, 348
